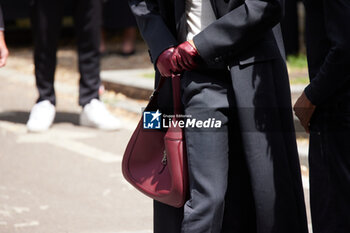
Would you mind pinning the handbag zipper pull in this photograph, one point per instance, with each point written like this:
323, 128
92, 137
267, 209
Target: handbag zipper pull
164, 162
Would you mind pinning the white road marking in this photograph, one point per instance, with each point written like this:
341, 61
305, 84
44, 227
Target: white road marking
128, 186
2, 223
26, 192
64, 139
106, 192
5, 213
20, 210
13, 127
4, 197
129, 124
113, 175
44, 207
26, 224
3, 133
87, 151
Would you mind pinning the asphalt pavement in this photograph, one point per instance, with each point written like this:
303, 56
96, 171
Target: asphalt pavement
66, 180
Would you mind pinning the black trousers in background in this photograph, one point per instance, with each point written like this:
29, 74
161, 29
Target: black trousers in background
46, 21
329, 160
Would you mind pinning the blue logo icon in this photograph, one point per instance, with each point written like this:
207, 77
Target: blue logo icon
151, 120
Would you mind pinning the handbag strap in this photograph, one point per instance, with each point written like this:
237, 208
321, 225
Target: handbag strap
176, 85
159, 86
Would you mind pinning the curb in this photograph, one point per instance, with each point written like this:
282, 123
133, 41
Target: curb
131, 83
134, 83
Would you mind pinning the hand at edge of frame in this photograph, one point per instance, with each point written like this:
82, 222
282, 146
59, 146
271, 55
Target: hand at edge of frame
4, 53
304, 110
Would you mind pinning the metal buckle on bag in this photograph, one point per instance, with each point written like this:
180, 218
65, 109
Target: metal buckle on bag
164, 160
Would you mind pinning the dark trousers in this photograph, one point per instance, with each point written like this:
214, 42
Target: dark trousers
329, 161
210, 153
46, 21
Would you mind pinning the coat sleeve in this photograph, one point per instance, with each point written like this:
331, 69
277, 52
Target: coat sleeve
152, 27
335, 70
238, 29
2, 26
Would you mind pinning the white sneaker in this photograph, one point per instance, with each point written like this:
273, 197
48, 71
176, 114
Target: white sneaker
95, 114
41, 117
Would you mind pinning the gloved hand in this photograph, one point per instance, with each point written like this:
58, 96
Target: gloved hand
185, 56
164, 64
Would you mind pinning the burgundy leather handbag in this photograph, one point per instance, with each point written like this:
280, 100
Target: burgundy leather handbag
155, 161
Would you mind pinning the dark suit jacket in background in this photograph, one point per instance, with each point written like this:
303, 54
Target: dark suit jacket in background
328, 49
117, 15
328, 53
1, 19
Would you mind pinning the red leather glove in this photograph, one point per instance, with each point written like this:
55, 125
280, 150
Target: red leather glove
164, 64
185, 56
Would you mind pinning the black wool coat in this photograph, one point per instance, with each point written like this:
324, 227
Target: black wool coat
245, 39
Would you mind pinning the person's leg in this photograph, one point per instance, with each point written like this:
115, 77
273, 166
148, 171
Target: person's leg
88, 18
88, 22
329, 163
205, 97
321, 188
46, 23
337, 148
239, 214
129, 39
166, 218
